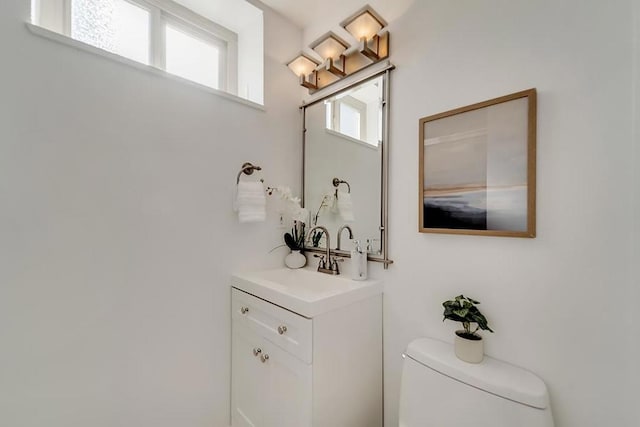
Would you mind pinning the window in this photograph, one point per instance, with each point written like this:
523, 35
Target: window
160, 33
348, 116
118, 26
356, 114
193, 57
351, 121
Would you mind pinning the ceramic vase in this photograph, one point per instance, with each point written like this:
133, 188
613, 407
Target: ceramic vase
469, 350
295, 260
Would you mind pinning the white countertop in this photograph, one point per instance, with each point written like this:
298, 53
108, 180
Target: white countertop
303, 291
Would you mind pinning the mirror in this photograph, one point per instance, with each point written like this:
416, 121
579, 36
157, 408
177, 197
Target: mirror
345, 168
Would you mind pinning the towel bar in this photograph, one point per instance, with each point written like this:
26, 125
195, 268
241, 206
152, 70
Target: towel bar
247, 169
337, 182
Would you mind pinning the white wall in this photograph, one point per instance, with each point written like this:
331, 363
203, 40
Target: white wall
117, 237
562, 305
635, 282
556, 302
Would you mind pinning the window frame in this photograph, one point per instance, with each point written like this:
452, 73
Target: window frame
57, 16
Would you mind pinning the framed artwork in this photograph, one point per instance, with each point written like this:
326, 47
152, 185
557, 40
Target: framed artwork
478, 168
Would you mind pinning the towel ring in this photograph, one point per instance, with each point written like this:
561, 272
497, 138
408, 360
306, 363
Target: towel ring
247, 169
338, 181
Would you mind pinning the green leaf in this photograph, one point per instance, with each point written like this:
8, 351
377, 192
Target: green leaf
461, 312
462, 309
291, 242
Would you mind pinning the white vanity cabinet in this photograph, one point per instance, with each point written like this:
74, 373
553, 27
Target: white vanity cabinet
270, 387
292, 370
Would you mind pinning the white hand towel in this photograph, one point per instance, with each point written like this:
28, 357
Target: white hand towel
251, 202
345, 206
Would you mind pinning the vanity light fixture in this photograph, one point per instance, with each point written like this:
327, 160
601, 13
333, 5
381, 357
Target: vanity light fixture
305, 68
331, 48
365, 25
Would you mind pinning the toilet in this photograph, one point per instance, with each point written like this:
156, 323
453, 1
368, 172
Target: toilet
439, 390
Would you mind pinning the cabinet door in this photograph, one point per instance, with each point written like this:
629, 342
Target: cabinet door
287, 392
248, 375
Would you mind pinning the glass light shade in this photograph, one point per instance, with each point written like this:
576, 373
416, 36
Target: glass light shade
365, 23
329, 46
302, 65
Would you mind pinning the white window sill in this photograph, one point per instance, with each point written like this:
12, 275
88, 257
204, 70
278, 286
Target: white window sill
62, 39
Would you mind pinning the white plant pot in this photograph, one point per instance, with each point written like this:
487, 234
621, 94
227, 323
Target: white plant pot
295, 260
471, 351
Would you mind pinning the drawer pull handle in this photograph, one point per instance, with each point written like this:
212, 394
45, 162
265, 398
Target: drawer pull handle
257, 351
244, 310
264, 358
282, 329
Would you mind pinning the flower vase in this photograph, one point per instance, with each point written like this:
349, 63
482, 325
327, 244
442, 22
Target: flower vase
295, 260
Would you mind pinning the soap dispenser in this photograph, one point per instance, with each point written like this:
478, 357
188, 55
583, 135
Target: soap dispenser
358, 262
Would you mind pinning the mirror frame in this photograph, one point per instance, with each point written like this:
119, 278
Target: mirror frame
359, 78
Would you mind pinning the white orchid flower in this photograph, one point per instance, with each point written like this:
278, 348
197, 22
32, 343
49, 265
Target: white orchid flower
300, 215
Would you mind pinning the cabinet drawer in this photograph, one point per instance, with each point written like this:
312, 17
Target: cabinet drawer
290, 331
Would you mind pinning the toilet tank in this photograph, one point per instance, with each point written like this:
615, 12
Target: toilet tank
439, 390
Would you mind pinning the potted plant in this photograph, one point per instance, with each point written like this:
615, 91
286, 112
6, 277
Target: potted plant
468, 344
295, 242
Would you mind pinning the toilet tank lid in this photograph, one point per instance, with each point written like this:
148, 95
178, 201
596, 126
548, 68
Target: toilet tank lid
491, 375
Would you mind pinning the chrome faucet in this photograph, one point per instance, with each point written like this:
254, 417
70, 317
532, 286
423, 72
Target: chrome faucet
340, 230
327, 264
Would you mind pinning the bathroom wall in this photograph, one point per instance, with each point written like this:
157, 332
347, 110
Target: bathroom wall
555, 301
559, 302
117, 236
635, 282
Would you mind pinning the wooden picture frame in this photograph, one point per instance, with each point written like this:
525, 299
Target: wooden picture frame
478, 168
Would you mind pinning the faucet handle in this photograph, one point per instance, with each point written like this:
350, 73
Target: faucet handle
322, 263
334, 264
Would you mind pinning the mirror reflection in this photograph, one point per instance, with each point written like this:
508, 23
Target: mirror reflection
343, 166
